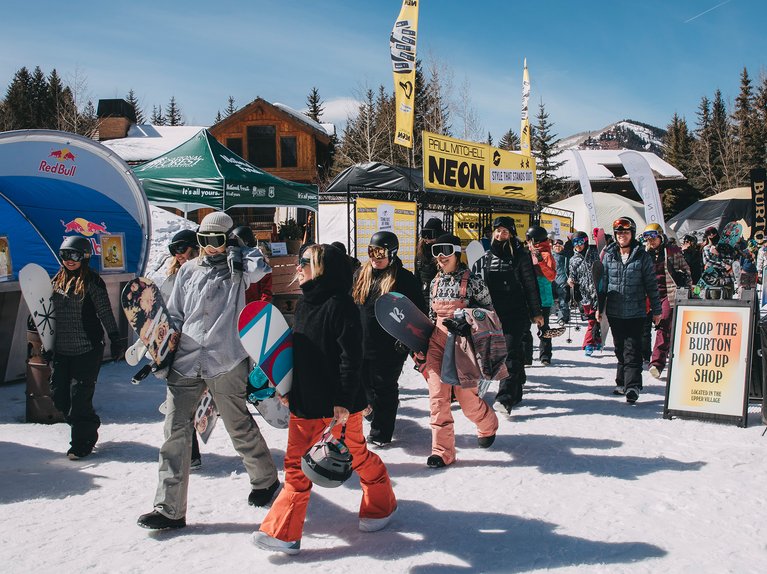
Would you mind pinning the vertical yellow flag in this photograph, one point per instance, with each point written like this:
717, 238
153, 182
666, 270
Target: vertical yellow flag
524, 132
402, 45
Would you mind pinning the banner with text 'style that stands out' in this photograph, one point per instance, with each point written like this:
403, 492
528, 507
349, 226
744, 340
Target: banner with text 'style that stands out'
402, 45
709, 371
759, 224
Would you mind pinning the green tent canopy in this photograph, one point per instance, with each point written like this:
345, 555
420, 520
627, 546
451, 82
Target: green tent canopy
201, 172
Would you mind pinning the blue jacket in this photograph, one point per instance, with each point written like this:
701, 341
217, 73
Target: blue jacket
630, 284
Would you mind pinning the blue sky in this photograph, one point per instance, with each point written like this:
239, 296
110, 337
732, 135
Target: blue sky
592, 62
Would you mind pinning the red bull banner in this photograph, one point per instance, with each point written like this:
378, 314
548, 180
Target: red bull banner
402, 45
711, 357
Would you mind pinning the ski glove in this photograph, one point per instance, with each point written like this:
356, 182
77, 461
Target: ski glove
458, 327
234, 261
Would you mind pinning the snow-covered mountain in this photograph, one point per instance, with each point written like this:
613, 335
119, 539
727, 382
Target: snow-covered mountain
625, 134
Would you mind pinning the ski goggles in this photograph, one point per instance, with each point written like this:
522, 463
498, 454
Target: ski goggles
71, 255
428, 233
376, 252
622, 224
652, 234
211, 239
179, 247
303, 262
579, 241
444, 249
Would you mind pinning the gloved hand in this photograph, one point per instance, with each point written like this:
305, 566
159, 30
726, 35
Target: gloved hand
401, 348
458, 327
234, 261
234, 241
117, 347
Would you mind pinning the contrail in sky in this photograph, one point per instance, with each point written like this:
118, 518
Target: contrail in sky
707, 11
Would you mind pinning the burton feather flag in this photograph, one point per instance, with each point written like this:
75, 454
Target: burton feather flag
402, 45
524, 132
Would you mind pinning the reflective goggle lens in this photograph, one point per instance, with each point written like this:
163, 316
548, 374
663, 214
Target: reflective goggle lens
579, 241
213, 239
650, 235
375, 252
622, 224
444, 249
71, 255
179, 247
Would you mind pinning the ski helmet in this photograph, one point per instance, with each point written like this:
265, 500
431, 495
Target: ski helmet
653, 230
183, 239
245, 233
536, 233
625, 224
328, 463
77, 243
388, 241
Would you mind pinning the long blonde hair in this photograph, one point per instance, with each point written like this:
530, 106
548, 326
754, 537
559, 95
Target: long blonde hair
364, 284
314, 254
77, 283
174, 265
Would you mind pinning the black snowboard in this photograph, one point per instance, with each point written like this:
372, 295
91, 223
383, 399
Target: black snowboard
400, 317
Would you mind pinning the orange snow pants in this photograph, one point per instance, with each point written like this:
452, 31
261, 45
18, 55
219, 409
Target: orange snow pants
285, 520
441, 419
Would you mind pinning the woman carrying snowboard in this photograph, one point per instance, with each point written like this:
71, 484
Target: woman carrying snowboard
83, 312
327, 354
454, 287
383, 357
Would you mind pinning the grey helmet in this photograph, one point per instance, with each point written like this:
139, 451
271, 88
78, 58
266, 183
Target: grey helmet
328, 463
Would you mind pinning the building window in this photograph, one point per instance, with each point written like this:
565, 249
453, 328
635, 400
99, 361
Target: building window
288, 155
262, 146
235, 145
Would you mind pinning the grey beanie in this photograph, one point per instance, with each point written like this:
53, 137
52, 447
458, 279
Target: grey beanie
216, 222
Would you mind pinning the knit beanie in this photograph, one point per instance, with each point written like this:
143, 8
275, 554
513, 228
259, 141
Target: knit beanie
216, 222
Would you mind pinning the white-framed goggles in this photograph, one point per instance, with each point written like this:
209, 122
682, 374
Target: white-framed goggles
444, 249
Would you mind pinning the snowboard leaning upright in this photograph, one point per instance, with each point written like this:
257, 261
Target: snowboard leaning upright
400, 317
146, 312
267, 338
38, 294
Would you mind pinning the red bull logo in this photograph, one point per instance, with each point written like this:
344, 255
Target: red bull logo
84, 227
59, 167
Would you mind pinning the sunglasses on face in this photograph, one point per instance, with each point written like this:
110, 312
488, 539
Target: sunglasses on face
376, 252
71, 255
211, 239
444, 249
651, 235
303, 262
179, 248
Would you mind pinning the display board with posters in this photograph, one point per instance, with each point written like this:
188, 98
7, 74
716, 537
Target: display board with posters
559, 222
709, 367
466, 225
399, 217
477, 169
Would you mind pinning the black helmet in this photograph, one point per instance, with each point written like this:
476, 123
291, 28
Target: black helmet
388, 241
537, 234
328, 463
624, 223
183, 239
507, 222
245, 233
77, 243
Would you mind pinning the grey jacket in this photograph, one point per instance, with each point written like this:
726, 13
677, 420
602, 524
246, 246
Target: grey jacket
630, 284
204, 305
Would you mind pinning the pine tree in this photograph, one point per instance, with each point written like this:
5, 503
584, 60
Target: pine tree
157, 118
134, 101
745, 129
314, 105
39, 101
509, 141
218, 117
489, 138
61, 103
550, 186
420, 104
88, 124
173, 113
18, 108
678, 151
230, 107
704, 161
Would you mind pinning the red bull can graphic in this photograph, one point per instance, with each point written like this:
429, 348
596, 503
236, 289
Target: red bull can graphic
84, 227
60, 166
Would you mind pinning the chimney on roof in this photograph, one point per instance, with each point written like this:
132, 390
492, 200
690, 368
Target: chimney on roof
115, 118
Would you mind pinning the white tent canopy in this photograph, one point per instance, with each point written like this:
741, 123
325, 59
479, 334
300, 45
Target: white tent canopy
610, 206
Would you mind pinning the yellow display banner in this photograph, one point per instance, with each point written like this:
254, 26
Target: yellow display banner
402, 45
466, 225
709, 369
478, 169
399, 217
559, 225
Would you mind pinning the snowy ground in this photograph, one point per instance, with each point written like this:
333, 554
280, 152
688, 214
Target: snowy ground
576, 481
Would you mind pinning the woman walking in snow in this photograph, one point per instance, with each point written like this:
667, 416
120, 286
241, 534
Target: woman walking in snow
327, 354
83, 312
454, 287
